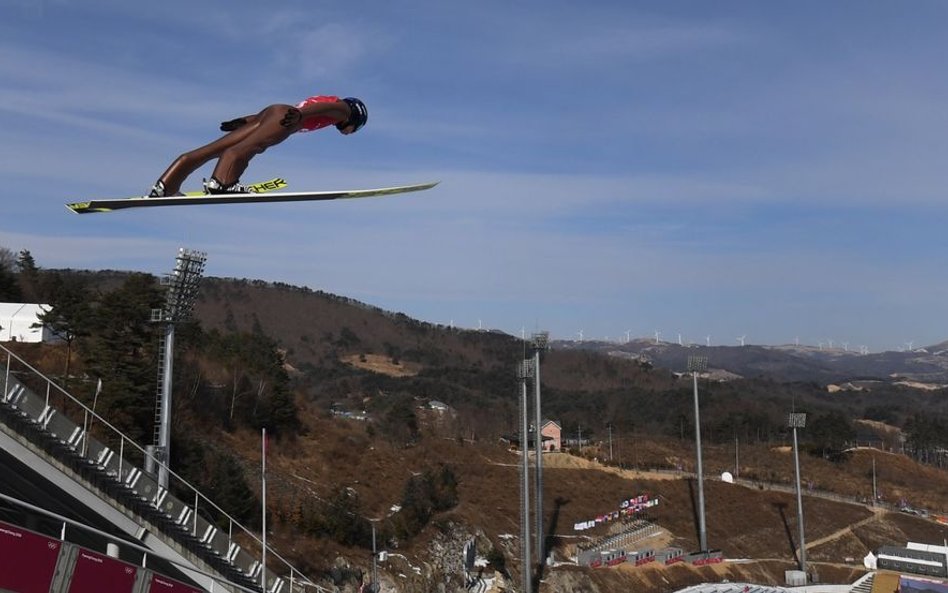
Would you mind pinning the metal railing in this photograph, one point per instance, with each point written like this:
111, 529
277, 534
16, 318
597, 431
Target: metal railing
67, 426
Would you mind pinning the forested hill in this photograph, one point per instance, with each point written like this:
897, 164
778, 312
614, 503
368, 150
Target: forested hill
342, 353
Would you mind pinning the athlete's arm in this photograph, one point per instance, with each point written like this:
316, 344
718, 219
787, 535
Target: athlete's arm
231, 125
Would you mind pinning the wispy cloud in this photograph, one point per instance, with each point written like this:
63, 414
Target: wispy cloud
48, 84
646, 165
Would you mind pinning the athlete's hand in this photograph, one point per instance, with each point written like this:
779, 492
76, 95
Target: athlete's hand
230, 126
292, 118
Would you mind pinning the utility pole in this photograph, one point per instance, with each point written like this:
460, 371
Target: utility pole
375, 566
737, 457
875, 494
610, 441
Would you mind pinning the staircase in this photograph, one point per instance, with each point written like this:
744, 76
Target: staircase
864, 584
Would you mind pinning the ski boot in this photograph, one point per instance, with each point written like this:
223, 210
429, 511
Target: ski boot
214, 187
158, 191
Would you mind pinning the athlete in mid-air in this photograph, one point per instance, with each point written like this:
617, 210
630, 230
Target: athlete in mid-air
250, 135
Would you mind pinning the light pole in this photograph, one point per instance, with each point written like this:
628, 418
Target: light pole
525, 372
182, 290
539, 343
798, 421
698, 364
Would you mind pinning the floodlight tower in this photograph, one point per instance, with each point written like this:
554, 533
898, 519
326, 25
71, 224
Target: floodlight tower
182, 290
798, 421
539, 342
697, 364
524, 373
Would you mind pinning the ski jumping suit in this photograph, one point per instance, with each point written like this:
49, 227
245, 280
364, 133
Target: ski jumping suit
234, 150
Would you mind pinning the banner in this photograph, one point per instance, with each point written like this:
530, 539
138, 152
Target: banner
627, 508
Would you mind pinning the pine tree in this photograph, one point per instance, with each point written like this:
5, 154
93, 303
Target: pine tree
121, 350
69, 316
9, 287
29, 277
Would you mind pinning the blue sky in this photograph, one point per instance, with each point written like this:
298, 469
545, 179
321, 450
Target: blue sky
774, 170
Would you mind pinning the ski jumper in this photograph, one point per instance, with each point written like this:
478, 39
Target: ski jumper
234, 150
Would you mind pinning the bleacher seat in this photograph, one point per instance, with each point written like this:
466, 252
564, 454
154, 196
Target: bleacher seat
101, 457
124, 479
30, 406
275, 584
66, 432
247, 564
13, 393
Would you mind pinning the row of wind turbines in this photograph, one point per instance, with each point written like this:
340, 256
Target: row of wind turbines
741, 340
823, 345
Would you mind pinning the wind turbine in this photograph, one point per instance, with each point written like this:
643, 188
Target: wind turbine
741, 339
628, 336
658, 335
707, 340
909, 344
679, 338
580, 333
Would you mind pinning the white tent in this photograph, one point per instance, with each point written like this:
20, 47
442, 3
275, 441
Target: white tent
17, 320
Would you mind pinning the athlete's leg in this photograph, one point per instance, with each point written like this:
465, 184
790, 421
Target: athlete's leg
190, 161
268, 132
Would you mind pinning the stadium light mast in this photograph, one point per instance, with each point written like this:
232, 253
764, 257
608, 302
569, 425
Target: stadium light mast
697, 364
798, 421
524, 373
538, 342
182, 290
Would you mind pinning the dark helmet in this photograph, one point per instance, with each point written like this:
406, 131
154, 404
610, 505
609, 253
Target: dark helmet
358, 114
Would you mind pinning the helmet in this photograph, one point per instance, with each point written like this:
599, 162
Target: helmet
358, 114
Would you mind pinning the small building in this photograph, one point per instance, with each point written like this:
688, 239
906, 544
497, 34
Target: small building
552, 432
17, 321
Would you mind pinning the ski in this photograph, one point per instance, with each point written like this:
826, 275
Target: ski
256, 197
97, 205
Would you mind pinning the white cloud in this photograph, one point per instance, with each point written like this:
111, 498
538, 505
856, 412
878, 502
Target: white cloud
69, 89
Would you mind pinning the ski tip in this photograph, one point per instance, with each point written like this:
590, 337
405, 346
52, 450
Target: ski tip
84, 208
77, 207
